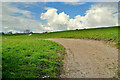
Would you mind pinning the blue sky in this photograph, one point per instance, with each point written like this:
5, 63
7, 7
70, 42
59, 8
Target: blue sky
39, 7
57, 16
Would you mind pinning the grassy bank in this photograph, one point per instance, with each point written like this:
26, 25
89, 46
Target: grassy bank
108, 33
28, 58
25, 56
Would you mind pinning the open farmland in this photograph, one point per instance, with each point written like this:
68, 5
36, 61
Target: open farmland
25, 56
108, 34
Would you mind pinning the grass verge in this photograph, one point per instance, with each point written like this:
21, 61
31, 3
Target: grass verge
23, 58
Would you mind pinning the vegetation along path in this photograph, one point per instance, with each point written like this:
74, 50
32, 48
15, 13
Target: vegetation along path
88, 59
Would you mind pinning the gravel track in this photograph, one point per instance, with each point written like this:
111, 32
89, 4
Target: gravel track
88, 59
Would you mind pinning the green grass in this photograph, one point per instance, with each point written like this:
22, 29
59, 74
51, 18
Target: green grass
0, 57
109, 33
23, 58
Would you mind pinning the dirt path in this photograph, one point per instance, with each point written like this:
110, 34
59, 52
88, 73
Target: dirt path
88, 59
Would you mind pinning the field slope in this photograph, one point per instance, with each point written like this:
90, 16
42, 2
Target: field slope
106, 33
27, 56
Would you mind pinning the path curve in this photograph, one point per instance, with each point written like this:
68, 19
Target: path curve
88, 59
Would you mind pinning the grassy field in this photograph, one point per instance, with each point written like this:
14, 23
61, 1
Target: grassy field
108, 33
0, 57
25, 56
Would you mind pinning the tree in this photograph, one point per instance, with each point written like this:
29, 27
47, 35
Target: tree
10, 32
31, 32
3, 33
27, 31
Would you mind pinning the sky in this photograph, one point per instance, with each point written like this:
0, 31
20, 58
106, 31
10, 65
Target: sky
57, 16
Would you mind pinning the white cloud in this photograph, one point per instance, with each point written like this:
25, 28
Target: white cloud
60, 1
19, 23
100, 14
8, 9
47, 8
40, 0
60, 21
75, 3
54, 20
49, 29
5, 27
